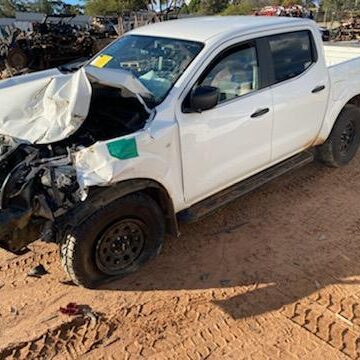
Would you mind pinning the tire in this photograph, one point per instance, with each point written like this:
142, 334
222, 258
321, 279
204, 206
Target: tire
102, 247
343, 142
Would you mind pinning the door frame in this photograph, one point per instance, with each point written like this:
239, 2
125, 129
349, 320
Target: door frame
270, 65
200, 63
266, 71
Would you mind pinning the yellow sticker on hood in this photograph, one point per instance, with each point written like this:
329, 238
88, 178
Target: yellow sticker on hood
101, 61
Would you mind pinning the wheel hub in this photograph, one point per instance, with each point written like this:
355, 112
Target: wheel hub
120, 245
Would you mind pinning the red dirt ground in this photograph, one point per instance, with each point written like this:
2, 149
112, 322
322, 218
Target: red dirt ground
275, 275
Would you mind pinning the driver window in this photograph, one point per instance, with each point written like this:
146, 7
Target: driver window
235, 74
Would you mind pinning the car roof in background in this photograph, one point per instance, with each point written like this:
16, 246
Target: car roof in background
203, 28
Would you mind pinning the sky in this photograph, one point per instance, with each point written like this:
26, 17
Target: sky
73, 2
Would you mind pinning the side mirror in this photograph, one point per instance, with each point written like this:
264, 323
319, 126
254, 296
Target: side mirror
204, 98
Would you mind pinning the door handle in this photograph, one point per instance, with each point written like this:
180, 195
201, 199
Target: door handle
260, 112
318, 89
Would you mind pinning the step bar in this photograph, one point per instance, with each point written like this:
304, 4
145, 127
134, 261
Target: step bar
214, 202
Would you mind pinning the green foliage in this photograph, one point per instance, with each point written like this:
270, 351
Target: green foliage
212, 7
73, 10
100, 7
335, 5
339, 9
244, 8
225, 7
194, 6
45, 6
109, 7
8, 7
288, 3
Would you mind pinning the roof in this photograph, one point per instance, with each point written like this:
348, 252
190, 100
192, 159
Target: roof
203, 28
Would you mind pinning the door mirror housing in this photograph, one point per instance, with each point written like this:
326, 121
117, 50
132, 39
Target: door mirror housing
204, 98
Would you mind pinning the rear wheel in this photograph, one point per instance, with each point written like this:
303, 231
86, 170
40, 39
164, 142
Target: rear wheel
114, 241
344, 139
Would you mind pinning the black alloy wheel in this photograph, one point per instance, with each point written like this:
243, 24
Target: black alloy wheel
120, 245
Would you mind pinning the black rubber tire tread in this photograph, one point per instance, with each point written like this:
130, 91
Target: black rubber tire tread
77, 248
328, 152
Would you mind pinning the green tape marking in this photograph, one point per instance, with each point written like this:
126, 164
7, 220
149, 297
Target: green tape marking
123, 149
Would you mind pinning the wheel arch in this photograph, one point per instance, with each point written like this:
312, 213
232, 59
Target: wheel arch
354, 101
344, 140
332, 116
102, 196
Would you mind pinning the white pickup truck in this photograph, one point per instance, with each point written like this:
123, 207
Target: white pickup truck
167, 124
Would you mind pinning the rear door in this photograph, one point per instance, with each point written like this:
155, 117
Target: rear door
300, 88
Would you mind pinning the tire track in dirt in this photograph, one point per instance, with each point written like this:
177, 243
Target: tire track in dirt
157, 336
68, 340
332, 318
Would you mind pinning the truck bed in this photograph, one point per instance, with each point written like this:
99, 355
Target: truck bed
336, 54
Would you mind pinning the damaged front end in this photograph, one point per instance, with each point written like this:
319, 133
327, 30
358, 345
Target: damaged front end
37, 186
58, 116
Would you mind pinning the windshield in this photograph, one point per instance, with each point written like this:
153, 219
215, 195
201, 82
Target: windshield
157, 62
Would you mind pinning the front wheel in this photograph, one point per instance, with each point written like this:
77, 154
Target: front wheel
344, 139
114, 241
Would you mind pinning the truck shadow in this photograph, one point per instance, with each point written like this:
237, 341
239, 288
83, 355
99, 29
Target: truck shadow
286, 241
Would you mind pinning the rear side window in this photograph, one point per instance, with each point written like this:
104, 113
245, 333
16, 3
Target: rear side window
292, 54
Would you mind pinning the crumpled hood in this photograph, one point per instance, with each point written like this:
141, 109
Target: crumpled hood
44, 107
49, 106
118, 78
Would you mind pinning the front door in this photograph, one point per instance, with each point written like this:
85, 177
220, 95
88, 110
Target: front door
225, 144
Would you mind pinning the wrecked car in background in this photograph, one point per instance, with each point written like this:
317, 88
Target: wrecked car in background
50, 43
106, 158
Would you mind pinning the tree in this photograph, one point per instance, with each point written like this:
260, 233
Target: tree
9, 7
111, 7
42, 6
73, 9
194, 6
49, 7
288, 3
211, 7
243, 8
338, 9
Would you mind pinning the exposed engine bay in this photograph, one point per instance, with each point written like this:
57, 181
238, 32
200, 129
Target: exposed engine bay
113, 112
38, 182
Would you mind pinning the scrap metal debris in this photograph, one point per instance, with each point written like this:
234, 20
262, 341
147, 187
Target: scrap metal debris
47, 45
73, 309
348, 30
